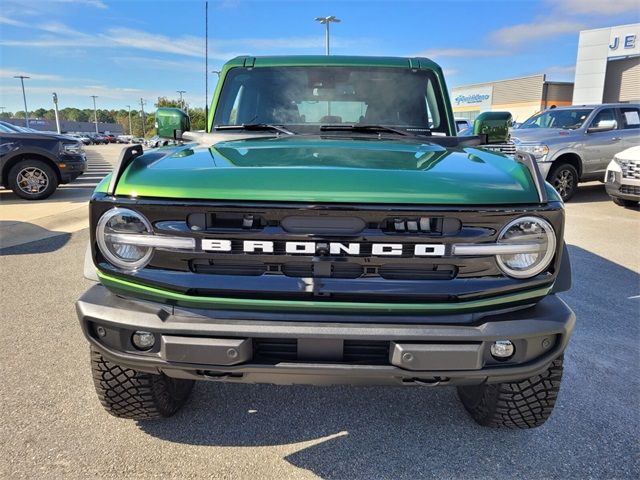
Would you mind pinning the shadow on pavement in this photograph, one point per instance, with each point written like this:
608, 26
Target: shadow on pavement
415, 432
590, 192
53, 240
70, 193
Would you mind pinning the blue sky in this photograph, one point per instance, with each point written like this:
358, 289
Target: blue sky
125, 50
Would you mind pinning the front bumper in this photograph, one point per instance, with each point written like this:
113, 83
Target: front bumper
234, 347
618, 186
71, 167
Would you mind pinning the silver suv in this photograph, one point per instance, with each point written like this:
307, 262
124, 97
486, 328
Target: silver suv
576, 143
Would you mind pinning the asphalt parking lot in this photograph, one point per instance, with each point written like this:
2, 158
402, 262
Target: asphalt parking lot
53, 426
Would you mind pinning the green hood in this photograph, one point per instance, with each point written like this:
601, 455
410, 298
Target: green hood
313, 169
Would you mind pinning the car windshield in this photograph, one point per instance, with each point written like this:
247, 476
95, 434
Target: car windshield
305, 98
567, 119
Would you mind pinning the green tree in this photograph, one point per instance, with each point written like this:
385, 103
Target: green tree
39, 113
6, 115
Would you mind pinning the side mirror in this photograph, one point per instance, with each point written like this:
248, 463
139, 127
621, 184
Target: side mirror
494, 126
171, 123
603, 126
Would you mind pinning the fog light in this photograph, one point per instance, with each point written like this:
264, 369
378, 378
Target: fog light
502, 349
143, 340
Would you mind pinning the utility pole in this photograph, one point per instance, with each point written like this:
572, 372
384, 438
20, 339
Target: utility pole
326, 21
206, 66
55, 106
130, 129
95, 112
2, 109
181, 101
142, 113
24, 97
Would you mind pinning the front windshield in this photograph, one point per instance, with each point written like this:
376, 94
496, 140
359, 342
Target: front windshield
304, 98
568, 119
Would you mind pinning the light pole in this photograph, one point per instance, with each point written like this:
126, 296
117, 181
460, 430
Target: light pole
24, 97
181, 101
55, 106
326, 21
95, 112
130, 129
142, 114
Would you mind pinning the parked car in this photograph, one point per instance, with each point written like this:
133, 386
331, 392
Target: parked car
575, 144
123, 139
85, 139
155, 142
622, 179
110, 137
98, 139
462, 123
34, 164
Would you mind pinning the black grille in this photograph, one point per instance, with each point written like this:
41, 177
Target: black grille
357, 352
275, 349
630, 190
417, 272
350, 274
366, 352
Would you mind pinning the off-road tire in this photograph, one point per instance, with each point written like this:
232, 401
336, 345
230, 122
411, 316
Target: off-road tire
127, 393
39, 165
624, 202
561, 173
526, 403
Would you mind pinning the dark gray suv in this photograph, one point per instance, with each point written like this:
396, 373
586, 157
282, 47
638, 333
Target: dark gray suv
576, 143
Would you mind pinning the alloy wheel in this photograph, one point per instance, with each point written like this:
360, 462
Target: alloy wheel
32, 180
564, 183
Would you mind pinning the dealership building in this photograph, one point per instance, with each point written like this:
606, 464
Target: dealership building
607, 70
608, 65
522, 97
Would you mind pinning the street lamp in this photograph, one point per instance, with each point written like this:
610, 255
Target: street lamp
181, 101
144, 133
55, 105
326, 21
24, 97
130, 129
95, 112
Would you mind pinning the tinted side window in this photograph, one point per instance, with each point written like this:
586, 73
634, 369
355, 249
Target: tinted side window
604, 115
630, 117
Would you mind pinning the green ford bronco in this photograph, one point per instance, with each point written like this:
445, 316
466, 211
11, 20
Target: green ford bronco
328, 228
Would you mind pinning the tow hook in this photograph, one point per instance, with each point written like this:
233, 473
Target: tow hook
218, 377
425, 382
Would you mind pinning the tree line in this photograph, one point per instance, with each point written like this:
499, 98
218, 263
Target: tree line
120, 117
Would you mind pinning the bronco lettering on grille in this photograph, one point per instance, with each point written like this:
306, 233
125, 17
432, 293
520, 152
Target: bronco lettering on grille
323, 248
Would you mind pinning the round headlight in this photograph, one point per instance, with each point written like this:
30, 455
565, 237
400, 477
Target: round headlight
123, 221
538, 235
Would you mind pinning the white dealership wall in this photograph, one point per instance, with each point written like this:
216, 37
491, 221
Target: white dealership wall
608, 57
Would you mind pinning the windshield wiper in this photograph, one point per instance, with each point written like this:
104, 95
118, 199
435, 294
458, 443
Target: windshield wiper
255, 127
369, 128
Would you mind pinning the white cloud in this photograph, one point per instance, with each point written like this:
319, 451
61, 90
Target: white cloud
10, 73
92, 3
11, 21
596, 7
540, 29
102, 91
159, 64
460, 53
